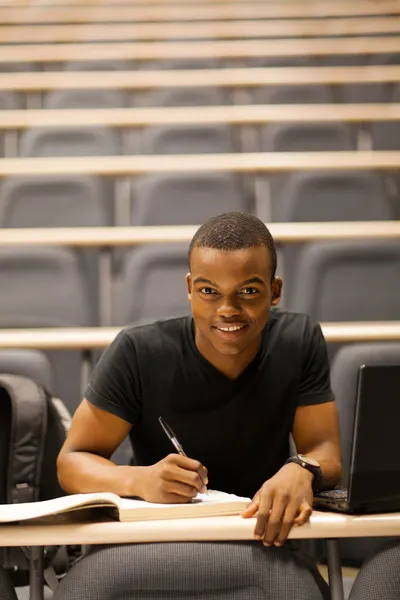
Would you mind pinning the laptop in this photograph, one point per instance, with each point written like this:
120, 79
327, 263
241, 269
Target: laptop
374, 477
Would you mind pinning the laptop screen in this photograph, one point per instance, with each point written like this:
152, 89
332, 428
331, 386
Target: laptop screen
375, 465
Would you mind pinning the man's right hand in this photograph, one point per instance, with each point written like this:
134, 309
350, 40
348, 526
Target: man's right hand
174, 479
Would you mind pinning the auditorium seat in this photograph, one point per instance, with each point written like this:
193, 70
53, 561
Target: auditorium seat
386, 135
293, 94
152, 284
54, 201
307, 137
30, 363
344, 374
190, 96
70, 141
87, 99
179, 63
98, 65
186, 198
10, 101
189, 139
348, 281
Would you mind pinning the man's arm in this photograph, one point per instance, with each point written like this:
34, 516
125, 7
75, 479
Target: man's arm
316, 434
84, 463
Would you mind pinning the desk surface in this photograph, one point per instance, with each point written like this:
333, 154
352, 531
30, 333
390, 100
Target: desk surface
195, 115
261, 162
322, 525
220, 29
246, 10
225, 78
141, 51
92, 338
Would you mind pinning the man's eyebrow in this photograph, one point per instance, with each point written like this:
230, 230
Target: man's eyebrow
242, 283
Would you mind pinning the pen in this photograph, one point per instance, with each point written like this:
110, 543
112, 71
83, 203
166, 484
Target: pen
173, 439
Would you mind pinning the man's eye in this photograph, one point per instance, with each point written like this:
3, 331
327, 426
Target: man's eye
249, 291
207, 291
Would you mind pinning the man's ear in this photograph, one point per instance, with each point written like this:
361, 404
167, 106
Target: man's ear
276, 287
189, 286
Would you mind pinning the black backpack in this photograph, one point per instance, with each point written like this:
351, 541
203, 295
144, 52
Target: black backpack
33, 427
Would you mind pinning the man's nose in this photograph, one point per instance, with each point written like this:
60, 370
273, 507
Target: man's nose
229, 307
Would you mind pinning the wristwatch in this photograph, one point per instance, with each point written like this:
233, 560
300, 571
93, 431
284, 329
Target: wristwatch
311, 465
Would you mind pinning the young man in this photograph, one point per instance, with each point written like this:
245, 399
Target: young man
233, 380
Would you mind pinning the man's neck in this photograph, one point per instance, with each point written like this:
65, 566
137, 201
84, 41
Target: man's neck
232, 366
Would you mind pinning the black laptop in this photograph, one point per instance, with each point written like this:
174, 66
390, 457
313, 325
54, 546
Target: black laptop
374, 477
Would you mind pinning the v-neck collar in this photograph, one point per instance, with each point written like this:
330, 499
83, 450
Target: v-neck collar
216, 373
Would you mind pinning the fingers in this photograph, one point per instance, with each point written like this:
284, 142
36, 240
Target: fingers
274, 523
304, 514
185, 471
252, 508
263, 515
286, 523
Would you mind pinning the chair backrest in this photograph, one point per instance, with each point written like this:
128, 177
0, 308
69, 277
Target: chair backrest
153, 284
77, 201
43, 287
186, 199
293, 94
86, 99
190, 96
10, 101
98, 65
188, 139
332, 196
70, 141
30, 363
349, 281
307, 137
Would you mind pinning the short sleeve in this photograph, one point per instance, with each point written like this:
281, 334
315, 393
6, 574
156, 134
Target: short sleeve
315, 384
114, 383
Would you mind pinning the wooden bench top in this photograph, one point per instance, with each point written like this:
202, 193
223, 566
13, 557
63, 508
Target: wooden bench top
288, 233
223, 49
246, 10
194, 115
220, 29
91, 338
226, 78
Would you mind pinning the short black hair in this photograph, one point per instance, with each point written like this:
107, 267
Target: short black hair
234, 231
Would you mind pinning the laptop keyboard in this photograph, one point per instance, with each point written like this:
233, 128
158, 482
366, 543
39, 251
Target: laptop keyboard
333, 494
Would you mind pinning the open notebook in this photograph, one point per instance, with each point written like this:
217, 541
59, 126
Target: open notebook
213, 504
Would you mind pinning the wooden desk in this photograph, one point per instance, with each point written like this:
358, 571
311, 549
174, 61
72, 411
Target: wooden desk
98, 338
223, 49
220, 29
247, 10
224, 78
257, 162
196, 115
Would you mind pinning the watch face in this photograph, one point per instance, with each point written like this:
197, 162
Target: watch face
308, 460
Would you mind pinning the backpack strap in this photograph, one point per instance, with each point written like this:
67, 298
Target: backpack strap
27, 437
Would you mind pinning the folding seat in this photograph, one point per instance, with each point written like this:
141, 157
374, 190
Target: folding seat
153, 284
349, 281
98, 65
187, 198
30, 363
70, 141
47, 287
181, 63
87, 99
8, 101
189, 139
190, 96
293, 94
307, 137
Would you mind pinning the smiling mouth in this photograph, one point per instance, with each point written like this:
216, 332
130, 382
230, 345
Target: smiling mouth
231, 330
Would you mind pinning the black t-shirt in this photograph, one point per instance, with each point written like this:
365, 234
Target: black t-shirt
239, 429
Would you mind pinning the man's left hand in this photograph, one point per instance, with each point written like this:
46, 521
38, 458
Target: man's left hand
283, 501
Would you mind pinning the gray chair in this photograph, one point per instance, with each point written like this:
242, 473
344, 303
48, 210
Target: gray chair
348, 281
188, 139
332, 196
47, 287
386, 135
70, 141
55, 201
98, 65
30, 363
186, 199
203, 570
307, 137
180, 63
293, 94
379, 576
344, 373
10, 101
190, 96
87, 99
153, 284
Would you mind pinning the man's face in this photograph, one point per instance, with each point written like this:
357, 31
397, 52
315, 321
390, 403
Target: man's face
231, 294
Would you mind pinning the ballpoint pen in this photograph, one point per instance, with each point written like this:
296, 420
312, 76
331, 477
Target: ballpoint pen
174, 440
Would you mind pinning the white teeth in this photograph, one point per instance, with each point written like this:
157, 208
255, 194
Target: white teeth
231, 328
